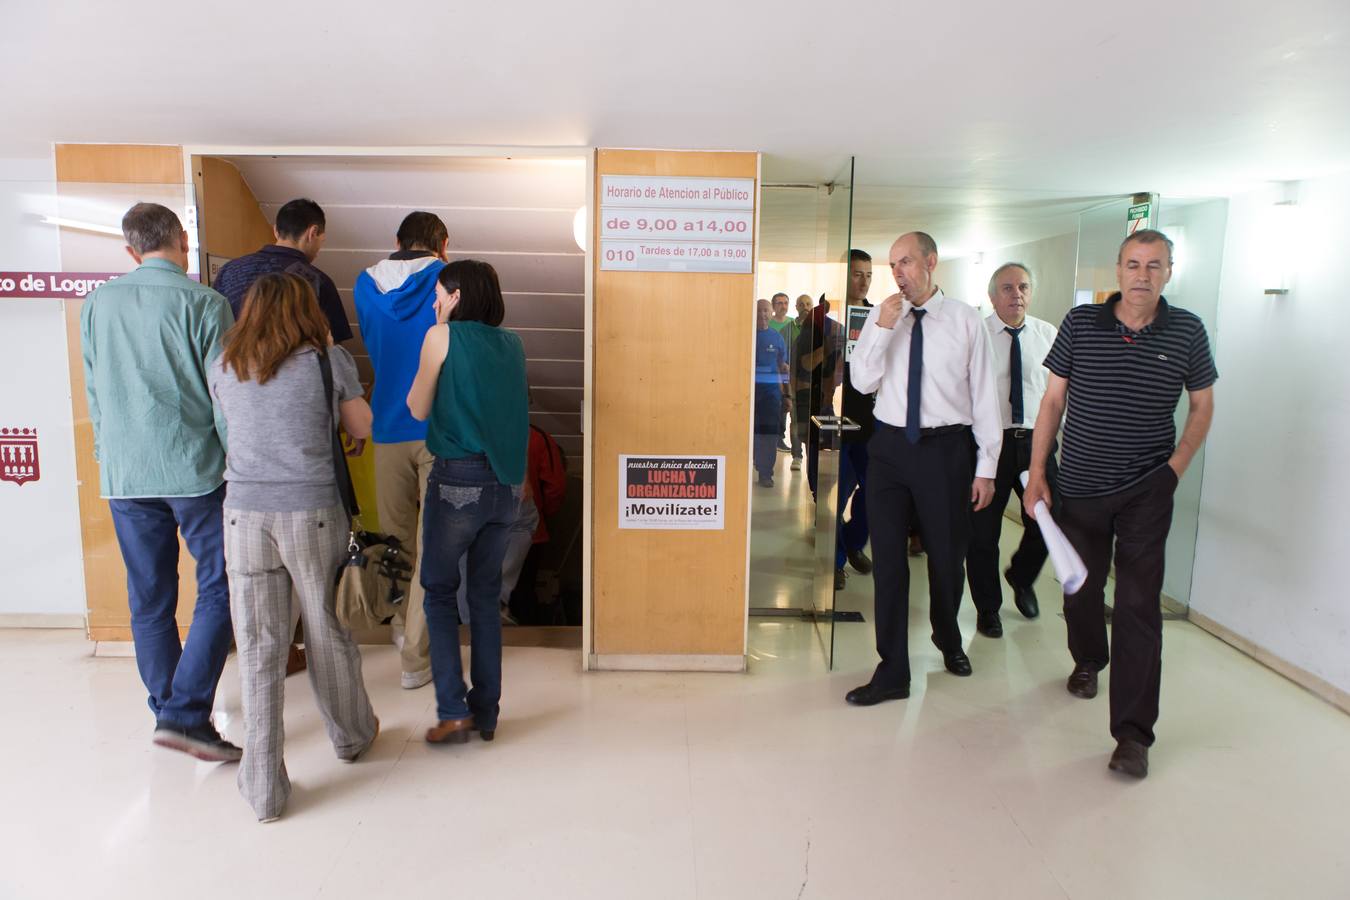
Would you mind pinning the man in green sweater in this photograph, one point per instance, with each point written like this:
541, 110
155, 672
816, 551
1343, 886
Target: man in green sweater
147, 339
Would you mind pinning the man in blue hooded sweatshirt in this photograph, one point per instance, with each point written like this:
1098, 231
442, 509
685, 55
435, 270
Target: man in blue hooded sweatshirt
394, 306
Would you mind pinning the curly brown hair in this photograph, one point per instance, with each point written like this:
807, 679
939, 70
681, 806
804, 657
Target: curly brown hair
281, 314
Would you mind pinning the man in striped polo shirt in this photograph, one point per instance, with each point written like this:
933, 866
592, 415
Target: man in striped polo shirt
1120, 368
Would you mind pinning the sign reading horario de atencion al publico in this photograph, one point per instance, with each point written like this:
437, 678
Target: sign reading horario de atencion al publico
674, 224
675, 492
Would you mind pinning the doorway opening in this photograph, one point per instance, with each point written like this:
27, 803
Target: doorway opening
526, 215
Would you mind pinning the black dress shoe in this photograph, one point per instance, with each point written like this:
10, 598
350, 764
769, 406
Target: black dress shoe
859, 561
1130, 758
989, 625
1083, 682
840, 579
956, 662
1023, 597
871, 695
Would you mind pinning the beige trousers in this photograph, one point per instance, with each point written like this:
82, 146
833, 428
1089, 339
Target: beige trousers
401, 472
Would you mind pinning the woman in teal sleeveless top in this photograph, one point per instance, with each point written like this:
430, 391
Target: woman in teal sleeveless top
470, 384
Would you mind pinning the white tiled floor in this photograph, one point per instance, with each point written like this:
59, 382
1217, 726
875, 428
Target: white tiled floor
696, 786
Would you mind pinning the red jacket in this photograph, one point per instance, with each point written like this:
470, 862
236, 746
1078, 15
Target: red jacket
546, 474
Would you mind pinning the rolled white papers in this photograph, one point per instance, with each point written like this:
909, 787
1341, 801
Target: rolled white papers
1069, 568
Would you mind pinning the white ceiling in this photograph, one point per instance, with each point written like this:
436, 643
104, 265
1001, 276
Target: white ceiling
1185, 97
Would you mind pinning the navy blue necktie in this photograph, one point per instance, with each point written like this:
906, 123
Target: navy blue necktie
915, 377
1015, 376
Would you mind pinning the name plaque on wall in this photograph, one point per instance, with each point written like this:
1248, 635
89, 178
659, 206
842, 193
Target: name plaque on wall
672, 224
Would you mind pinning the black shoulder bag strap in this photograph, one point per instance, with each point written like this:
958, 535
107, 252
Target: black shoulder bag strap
344, 475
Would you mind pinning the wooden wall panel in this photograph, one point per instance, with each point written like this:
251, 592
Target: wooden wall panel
119, 163
673, 375
105, 579
231, 221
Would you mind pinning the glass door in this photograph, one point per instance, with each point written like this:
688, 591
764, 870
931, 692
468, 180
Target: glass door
828, 422
804, 234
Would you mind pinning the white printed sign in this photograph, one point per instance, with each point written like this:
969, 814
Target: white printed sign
670, 224
672, 492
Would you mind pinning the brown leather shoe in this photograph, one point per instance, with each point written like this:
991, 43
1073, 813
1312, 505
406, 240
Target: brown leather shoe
1083, 682
450, 731
295, 660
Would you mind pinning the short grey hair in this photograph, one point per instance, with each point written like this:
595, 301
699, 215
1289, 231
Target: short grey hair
149, 227
993, 279
1145, 236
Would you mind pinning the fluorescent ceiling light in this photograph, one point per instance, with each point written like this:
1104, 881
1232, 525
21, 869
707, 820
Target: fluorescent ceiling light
95, 228
81, 226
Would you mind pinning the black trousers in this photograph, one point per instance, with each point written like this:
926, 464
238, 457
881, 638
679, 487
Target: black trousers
1137, 519
930, 480
986, 588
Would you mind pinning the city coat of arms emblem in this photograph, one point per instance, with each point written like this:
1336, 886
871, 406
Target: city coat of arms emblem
19, 455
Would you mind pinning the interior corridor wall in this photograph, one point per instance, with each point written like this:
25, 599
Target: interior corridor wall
1273, 517
41, 582
1051, 260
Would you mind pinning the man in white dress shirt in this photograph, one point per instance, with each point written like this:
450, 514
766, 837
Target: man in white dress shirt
1021, 343
929, 360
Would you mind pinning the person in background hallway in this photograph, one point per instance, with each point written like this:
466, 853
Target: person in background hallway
928, 359
1020, 345
300, 231
787, 327
852, 536
470, 384
770, 393
1119, 369
285, 524
395, 305
816, 370
801, 402
147, 339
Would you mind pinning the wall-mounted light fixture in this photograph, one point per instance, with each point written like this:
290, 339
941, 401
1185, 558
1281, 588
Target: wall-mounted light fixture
1285, 241
579, 227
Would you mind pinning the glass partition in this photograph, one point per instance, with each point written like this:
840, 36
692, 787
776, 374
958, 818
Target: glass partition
1197, 229
59, 241
804, 240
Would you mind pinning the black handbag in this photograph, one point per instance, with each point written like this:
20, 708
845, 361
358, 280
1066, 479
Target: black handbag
340, 470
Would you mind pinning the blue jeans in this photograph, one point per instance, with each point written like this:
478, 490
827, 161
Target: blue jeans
181, 678
466, 511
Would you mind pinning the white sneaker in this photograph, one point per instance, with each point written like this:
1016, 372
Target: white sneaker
796, 465
396, 634
413, 680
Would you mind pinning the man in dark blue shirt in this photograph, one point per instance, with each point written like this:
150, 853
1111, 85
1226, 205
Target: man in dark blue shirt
300, 234
770, 392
